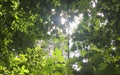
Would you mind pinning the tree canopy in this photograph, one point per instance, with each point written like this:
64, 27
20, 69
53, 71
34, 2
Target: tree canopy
33, 41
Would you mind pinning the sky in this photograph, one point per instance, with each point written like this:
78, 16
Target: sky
72, 27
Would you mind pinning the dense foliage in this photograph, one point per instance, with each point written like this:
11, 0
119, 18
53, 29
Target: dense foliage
97, 36
33, 41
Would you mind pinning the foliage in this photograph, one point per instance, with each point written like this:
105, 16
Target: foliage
23, 23
35, 62
97, 38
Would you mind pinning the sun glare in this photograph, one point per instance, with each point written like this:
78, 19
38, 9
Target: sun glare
63, 20
72, 25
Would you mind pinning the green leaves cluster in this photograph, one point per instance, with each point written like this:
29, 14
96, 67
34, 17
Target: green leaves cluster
96, 38
35, 62
22, 22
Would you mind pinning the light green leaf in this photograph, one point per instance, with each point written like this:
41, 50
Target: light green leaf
57, 52
83, 52
23, 67
26, 71
61, 59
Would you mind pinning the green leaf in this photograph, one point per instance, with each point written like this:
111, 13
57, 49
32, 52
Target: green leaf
26, 71
118, 39
55, 40
61, 58
49, 61
57, 52
57, 73
0, 13
23, 67
83, 52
